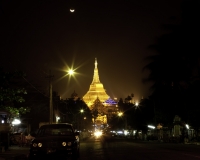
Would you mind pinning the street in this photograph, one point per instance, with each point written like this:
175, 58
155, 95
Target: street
129, 149
120, 149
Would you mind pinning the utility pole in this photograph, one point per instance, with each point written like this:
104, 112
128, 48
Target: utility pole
50, 77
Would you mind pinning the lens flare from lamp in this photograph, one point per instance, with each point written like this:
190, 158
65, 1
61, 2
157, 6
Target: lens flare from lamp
71, 72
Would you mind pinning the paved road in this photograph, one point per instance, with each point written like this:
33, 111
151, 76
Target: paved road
130, 149
121, 149
15, 153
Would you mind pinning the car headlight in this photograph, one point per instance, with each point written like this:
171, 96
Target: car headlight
98, 133
39, 144
34, 144
64, 143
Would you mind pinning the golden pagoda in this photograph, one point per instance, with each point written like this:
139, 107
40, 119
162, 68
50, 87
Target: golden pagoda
96, 90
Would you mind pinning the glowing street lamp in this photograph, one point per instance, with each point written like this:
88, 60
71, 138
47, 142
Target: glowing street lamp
57, 119
152, 127
187, 126
79, 118
16, 122
69, 72
120, 114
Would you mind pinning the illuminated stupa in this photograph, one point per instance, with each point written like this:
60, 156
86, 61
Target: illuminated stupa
96, 90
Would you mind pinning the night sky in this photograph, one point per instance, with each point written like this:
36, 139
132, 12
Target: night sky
39, 36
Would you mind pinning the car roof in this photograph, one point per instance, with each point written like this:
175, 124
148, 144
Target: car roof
56, 124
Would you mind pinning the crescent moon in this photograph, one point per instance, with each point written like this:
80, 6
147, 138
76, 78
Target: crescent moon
72, 10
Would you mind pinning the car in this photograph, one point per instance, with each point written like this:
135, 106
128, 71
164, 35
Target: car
59, 140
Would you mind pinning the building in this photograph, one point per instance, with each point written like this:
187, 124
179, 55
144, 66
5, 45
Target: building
98, 100
96, 89
4, 121
111, 108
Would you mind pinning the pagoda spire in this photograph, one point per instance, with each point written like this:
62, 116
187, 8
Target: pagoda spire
96, 73
96, 89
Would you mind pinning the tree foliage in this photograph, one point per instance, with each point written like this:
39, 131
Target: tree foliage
11, 93
175, 69
70, 110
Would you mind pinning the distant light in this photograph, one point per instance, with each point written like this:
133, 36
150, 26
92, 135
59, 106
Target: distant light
126, 132
16, 121
97, 133
2, 121
152, 127
120, 132
58, 117
72, 10
120, 114
159, 126
187, 126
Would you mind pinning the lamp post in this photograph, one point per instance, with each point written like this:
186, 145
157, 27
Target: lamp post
81, 112
50, 77
78, 119
122, 114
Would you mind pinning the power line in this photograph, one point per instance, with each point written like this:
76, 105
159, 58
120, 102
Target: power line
35, 87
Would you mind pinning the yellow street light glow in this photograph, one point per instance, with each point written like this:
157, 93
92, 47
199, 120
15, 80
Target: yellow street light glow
120, 114
81, 110
71, 72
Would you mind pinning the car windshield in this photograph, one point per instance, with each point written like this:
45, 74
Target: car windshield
55, 131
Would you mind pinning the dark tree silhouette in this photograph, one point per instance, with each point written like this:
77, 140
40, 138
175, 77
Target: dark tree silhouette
175, 69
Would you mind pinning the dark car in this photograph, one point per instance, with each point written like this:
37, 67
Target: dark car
57, 140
